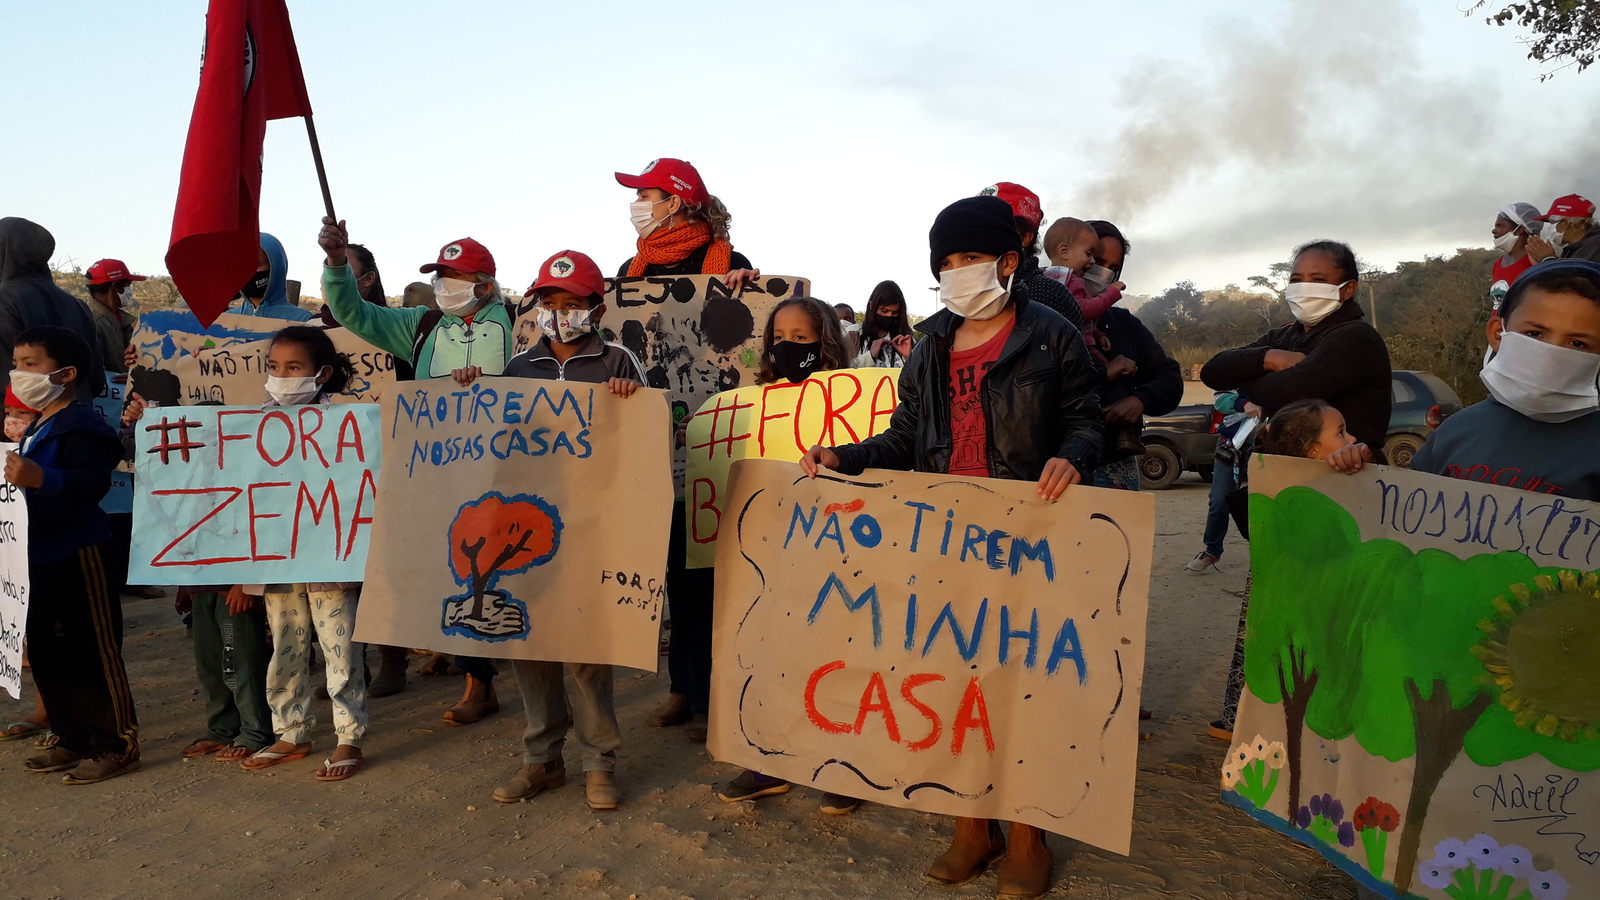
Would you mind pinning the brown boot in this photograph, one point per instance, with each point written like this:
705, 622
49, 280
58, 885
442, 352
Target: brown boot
478, 701
977, 845
600, 790
674, 712
101, 768
530, 780
1026, 870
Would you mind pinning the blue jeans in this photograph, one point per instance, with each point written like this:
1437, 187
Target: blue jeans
1222, 484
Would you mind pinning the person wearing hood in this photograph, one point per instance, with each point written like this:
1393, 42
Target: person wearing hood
1512, 228
266, 293
29, 298
1569, 232
110, 291
1330, 352
471, 328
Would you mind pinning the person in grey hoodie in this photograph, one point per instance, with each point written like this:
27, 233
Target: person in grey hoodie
266, 293
29, 299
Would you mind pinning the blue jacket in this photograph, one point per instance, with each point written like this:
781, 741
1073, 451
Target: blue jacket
276, 304
77, 450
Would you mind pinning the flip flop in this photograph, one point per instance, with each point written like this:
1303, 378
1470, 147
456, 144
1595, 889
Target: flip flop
202, 747
234, 759
29, 729
266, 759
339, 770
47, 740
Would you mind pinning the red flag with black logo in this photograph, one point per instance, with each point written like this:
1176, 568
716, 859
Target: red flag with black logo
249, 73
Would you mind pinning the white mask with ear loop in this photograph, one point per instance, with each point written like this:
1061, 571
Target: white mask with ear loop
1311, 301
1545, 382
1507, 242
974, 292
454, 295
642, 213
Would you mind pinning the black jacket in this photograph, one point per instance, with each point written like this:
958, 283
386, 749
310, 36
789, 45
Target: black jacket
1038, 399
29, 298
693, 264
1346, 364
1159, 381
77, 450
596, 361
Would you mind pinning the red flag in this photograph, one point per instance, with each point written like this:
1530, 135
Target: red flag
249, 73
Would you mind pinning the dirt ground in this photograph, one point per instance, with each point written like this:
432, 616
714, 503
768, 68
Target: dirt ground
419, 821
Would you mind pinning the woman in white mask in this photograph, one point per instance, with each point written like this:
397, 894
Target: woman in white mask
1001, 387
1512, 226
1330, 352
1538, 428
471, 327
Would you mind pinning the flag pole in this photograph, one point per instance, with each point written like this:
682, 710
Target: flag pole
322, 174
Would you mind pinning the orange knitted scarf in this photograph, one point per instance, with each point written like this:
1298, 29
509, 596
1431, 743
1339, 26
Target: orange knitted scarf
670, 245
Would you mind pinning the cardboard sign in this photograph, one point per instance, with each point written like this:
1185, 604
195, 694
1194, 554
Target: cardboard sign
14, 584
181, 363
945, 644
774, 421
250, 495
1422, 658
524, 519
692, 336
109, 404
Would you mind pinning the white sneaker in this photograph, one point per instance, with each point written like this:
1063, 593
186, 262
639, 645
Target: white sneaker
1201, 562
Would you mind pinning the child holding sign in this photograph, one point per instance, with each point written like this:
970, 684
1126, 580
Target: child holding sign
74, 626
1001, 388
304, 367
802, 337
571, 298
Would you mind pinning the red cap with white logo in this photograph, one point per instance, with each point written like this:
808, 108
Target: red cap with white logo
107, 271
1572, 206
674, 176
465, 255
1023, 202
569, 271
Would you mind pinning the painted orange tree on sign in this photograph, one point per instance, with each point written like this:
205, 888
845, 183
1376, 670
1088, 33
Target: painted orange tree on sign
492, 537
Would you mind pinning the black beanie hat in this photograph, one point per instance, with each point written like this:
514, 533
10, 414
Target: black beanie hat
973, 225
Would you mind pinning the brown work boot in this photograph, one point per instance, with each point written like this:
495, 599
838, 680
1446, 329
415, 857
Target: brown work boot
101, 768
977, 845
674, 712
600, 790
1026, 870
53, 760
530, 780
476, 702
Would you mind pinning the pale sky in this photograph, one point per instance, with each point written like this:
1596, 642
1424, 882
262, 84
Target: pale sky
1216, 138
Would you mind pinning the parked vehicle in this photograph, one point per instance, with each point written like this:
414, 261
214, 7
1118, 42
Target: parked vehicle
1185, 440
1421, 403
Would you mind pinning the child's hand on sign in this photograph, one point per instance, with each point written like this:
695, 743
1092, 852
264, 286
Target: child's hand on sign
467, 374
736, 279
239, 602
23, 472
1057, 477
622, 387
1349, 460
818, 457
134, 409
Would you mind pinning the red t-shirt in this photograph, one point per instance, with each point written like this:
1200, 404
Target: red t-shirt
969, 431
1508, 274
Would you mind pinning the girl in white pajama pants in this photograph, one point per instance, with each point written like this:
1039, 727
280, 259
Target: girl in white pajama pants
293, 612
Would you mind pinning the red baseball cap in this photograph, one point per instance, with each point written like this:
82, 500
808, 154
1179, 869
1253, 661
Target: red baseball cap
674, 176
572, 271
1572, 206
1023, 202
465, 255
108, 270
15, 402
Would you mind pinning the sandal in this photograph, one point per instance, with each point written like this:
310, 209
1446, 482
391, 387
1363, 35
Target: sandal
48, 741
234, 753
28, 730
340, 769
267, 758
202, 747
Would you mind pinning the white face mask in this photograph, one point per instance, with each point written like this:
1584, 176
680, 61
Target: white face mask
126, 297
16, 428
1507, 242
1312, 302
1542, 381
974, 292
454, 295
565, 325
35, 388
642, 212
1550, 232
1098, 278
293, 391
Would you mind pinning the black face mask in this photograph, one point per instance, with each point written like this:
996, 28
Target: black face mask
796, 361
256, 287
886, 323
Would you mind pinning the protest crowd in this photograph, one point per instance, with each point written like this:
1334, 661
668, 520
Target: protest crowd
1029, 372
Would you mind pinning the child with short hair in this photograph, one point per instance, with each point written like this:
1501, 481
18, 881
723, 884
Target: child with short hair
1001, 387
303, 367
570, 293
74, 628
1538, 426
